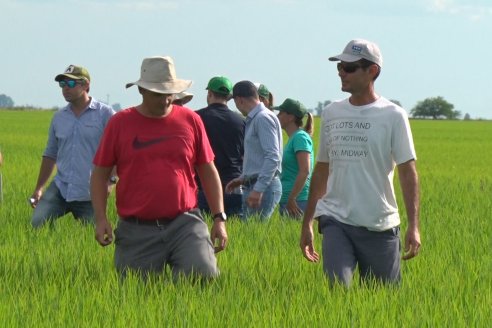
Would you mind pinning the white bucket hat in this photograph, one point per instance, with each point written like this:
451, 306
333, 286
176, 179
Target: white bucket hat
157, 74
183, 97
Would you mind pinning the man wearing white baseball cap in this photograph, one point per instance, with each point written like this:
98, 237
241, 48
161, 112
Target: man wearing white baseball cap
352, 195
156, 148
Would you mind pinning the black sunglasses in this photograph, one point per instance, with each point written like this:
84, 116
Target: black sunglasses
348, 68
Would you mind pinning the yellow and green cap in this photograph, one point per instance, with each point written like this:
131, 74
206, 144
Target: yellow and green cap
74, 72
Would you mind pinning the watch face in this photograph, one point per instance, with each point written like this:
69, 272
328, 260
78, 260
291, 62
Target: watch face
221, 216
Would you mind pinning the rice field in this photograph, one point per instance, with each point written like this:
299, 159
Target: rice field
60, 277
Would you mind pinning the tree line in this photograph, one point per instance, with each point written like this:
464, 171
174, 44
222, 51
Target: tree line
434, 108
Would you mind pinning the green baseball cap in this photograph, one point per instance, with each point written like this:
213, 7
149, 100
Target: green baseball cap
263, 91
74, 72
220, 84
291, 106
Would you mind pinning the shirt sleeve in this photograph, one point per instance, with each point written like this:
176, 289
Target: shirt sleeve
268, 135
402, 146
51, 150
302, 142
323, 155
205, 153
106, 152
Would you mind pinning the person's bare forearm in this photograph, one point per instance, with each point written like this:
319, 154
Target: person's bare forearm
317, 189
409, 183
99, 191
45, 171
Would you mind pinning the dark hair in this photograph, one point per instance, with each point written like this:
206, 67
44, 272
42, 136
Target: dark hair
309, 126
367, 63
245, 89
219, 95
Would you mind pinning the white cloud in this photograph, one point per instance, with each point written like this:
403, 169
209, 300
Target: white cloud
473, 10
129, 5
149, 5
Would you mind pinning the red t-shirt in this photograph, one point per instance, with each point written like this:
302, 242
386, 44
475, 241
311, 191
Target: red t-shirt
155, 160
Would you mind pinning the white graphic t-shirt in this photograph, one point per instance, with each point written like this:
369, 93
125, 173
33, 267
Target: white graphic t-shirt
362, 145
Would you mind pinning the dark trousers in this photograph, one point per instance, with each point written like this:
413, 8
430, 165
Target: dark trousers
233, 204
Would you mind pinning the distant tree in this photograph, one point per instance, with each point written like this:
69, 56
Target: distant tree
435, 108
396, 102
467, 117
6, 101
321, 105
116, 107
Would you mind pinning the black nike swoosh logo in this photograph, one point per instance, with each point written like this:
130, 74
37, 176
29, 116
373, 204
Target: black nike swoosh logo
138, 144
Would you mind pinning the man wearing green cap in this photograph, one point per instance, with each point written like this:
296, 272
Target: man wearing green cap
225, 131
73, 139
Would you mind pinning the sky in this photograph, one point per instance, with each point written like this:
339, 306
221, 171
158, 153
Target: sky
427, 47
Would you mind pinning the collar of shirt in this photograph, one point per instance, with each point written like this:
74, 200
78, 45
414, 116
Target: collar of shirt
217, 106
94, 104
258, 108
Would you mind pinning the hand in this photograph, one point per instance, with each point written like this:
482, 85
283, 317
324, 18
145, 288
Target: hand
35, 197
104, 232
412, 243
110, 188
254, 199
306, 243
219, 233
233, 184
293, 209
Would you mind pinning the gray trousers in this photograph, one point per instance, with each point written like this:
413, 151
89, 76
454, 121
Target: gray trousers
377, 254
183, 243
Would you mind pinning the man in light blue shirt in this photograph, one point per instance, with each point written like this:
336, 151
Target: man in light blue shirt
73, 139
262, 154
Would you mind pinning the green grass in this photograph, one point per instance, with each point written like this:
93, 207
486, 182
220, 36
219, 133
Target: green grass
59, 276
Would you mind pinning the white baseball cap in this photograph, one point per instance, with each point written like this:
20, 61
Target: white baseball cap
360, 49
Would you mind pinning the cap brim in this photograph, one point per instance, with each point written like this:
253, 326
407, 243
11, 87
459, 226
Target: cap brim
60, 77
173, 87
345, 57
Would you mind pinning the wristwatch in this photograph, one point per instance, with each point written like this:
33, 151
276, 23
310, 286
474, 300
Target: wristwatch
220, 215
113, 179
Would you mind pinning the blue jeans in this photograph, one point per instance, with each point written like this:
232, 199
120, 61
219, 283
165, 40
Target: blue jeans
233, 204
271, 197
302, 204
52, 205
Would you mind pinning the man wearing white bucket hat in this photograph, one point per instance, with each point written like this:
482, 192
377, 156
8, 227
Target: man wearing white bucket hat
156, 147
182, 98
362, 139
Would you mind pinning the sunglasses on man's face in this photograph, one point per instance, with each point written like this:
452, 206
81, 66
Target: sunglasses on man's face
69, 83
348, 67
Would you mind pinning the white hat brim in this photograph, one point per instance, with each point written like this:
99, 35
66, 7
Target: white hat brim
346, 58
171, 87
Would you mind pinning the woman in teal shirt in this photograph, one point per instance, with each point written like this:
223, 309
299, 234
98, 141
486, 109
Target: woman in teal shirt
297, 160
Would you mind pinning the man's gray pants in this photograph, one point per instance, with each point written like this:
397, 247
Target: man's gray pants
377, 253
183, 243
